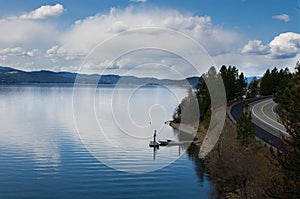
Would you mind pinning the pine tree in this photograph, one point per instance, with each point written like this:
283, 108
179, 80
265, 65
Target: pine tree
253, 89
284, 77
241, 85
203, 98
274, 80
234, 83
266, 84
187, 112
245, 129
288, 158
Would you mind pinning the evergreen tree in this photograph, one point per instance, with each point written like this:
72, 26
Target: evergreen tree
241, 85
274, 81
266, 84
234, 83
284, 77
186, 111
203, 98
288, 158
253, 89
203, 94
245, 129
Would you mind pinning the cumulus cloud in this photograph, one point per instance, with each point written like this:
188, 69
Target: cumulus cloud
17, 51
255, 47
67, 47
56, 53
53, 51
285, 45
86, 34
12, 51
118, 26
16, 32
254, 65
44, 12
282, 17
30, 53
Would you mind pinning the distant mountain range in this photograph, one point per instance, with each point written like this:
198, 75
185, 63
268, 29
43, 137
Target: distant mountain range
249, 79
13, 76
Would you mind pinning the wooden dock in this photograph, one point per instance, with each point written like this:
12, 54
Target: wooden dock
153, 144
169, 143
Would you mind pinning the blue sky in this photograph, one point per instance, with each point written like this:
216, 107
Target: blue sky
251, 34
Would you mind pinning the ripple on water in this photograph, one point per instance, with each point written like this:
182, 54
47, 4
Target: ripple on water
42, 156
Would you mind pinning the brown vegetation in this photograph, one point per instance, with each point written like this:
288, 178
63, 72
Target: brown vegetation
238, 171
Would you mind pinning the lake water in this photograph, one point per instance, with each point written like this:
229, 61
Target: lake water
60, 142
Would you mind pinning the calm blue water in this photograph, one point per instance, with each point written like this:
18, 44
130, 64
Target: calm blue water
44, 156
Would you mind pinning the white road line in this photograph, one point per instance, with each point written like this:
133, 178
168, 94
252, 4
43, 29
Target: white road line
272, 108
253, 112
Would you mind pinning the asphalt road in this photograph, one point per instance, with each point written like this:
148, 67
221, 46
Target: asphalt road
262, 130
263, 112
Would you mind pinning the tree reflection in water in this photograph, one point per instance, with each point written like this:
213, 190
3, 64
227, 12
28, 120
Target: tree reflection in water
200, 166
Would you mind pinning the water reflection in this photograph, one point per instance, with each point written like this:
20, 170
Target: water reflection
116, 125
182, 142
33, 115
41, 154
200, 168
30, 118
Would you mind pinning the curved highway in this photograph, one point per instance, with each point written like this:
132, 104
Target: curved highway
263, 115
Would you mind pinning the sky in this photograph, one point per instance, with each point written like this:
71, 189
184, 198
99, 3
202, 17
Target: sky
158, 38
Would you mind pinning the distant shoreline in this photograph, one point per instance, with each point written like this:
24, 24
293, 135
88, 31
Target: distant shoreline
84, 85
11, 76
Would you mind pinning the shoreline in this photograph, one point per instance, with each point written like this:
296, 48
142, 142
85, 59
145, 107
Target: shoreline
198, 133
184, 128
206, 138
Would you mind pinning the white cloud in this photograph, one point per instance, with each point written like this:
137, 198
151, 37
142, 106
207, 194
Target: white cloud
68, 47
17, 51
87, 33
13, 51
57, 53
285, 45
118, 26
69, 58
255, 47
53, 51
16, 32
44, 12
33, 53
252, 64
30, 53
283, 17
141, 1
